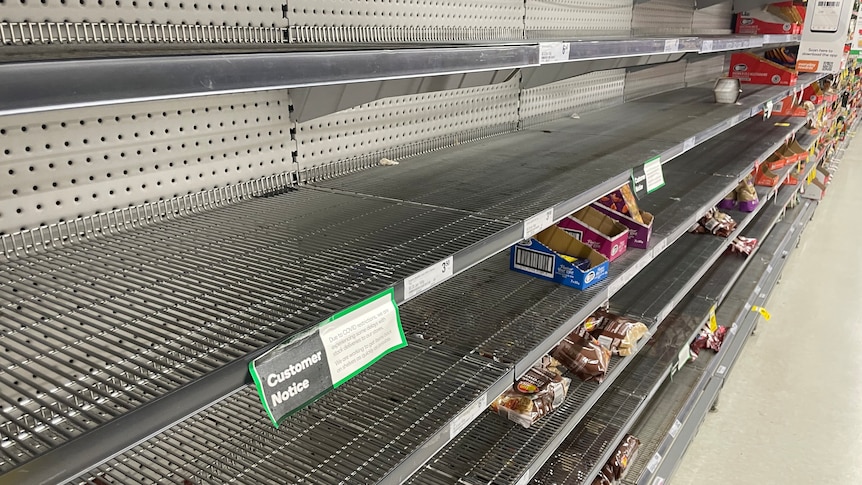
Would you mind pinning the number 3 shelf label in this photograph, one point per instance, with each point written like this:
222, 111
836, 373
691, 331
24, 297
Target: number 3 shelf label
307, 366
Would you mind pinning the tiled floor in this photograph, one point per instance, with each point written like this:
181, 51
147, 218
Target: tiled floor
791, 412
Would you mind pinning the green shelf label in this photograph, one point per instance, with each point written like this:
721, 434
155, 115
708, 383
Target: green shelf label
305, 367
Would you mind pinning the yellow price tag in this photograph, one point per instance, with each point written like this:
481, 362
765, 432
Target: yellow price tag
782, 124
713, 323
762, 311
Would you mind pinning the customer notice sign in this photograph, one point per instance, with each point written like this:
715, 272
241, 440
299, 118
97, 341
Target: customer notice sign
307, 366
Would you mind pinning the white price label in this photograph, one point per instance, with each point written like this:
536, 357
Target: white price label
525, 478
721, 370
653, 463
684, 355
538, 222
654, 175
551, 52
427, 278
467, 416
757, 289
671, 45
733, 329
769, 269
658, 481
688, 144
674, 430
706, 46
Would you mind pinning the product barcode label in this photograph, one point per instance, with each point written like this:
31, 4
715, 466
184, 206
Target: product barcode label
828, 4
467, 416
721, 370
534, 261
653, 463
537, 223
579, 235
674, 430
671, 45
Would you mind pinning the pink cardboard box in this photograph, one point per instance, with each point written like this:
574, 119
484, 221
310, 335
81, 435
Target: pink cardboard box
639, 234
598, 231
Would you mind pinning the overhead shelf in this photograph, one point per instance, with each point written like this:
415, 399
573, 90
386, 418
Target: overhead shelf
34, 85
493, 450
141, 329
521, 174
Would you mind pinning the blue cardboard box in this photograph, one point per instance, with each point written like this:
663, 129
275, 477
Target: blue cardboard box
541, 257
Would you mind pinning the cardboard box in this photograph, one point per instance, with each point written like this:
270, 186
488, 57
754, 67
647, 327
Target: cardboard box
598, 231
813, 93
624, 201
750, 68
541, 257
787, 107
759, 23
639, 234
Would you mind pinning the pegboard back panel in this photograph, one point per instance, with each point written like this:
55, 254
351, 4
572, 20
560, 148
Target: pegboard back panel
580, 94
654, 80
713, 20
403, 126
136, 21
362, 21
663, 17
577, 18
705, 70
60, 165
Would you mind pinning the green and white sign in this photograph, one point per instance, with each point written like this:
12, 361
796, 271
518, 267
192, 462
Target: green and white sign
647, 178
307, 366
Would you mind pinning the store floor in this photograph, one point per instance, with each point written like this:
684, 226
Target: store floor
791, 412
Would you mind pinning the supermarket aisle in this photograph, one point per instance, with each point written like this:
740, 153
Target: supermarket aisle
791, 412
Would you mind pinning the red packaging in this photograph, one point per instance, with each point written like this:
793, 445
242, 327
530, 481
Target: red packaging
750, 68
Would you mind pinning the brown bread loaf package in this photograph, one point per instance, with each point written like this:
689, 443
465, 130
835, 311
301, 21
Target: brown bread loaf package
615, 469
618, 334
716, 223
538, 393
583, 355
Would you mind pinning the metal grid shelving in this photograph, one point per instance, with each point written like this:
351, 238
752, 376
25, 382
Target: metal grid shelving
500, 452
687, 401
211, 250
188, 282
583, 453
554, 325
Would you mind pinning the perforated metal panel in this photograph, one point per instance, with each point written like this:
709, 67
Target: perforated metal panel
714, 20
131, 21
705, 70
67, 164
578, 18
654, 80
403, 126
581, 94
351, 21
663, 17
